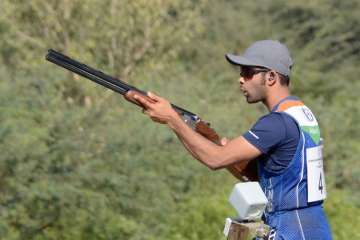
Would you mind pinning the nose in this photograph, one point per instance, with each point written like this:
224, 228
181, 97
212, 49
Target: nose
241, 80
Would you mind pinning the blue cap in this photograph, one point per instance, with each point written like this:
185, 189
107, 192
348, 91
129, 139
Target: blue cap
266, 53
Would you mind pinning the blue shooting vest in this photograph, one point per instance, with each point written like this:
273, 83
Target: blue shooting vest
302, 183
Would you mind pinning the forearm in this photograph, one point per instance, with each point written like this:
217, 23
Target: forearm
199, 147
186, 146
209, 153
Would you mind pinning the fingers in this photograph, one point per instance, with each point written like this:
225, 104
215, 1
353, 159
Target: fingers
154, 96
147, 112
142, 101
151, 115
224, 141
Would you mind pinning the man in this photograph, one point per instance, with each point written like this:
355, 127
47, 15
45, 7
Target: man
285, 143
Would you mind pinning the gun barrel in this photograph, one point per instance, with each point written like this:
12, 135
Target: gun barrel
99, 77
88, 72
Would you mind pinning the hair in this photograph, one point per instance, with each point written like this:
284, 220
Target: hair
284, 80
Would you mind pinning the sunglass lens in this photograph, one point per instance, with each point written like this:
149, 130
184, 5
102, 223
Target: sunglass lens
246, 72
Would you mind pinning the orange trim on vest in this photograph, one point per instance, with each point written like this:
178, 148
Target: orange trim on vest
288, 104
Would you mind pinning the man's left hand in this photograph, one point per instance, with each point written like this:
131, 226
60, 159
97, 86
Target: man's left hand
160, 111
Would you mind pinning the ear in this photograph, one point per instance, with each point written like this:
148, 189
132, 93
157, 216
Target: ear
272, 78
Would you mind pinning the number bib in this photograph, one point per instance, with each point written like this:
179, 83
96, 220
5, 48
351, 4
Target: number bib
315, 174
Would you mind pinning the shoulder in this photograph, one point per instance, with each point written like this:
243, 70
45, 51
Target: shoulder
269, 131
273, 130
279, 124
273, 120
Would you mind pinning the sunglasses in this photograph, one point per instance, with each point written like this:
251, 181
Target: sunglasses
248, 72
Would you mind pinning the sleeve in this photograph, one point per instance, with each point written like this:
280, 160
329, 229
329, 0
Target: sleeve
267, 132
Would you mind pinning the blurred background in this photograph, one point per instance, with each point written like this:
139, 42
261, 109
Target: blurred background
79, 162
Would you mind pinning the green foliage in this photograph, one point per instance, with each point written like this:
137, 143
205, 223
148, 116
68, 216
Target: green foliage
117, 34
343, 215
77, 162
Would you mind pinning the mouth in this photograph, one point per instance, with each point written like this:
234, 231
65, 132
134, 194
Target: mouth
245, 93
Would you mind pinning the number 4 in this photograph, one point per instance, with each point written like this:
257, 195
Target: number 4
321, 184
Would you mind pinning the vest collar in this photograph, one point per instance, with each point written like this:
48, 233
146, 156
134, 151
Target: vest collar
275, 108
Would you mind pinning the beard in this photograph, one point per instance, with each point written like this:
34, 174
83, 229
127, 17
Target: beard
253, 99
258, 93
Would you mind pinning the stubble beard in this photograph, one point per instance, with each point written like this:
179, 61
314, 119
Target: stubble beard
258, 95
252, 100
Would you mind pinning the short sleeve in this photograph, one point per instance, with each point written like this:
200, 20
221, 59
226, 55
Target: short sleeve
267, 133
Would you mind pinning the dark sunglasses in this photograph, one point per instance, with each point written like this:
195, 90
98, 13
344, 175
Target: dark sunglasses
248, 72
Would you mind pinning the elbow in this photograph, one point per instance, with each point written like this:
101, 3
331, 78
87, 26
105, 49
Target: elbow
210, 164
219, 159
214, 160
215, 165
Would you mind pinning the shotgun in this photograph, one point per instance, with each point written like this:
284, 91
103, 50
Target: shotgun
243, 171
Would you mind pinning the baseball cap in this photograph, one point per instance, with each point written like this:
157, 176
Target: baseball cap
265, 53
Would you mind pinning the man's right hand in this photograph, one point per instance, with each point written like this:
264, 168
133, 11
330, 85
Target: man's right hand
224, 141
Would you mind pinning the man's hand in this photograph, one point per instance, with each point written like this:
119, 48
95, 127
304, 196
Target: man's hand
160, 111
224, 141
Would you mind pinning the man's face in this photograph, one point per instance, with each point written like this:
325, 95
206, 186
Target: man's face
252, 83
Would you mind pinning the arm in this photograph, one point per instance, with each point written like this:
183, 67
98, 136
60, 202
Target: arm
210, 154
244, 170
207, 152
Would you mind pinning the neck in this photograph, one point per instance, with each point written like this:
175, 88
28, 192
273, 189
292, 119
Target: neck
274, 98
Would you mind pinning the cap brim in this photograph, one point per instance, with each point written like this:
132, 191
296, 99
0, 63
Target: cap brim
239, 60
